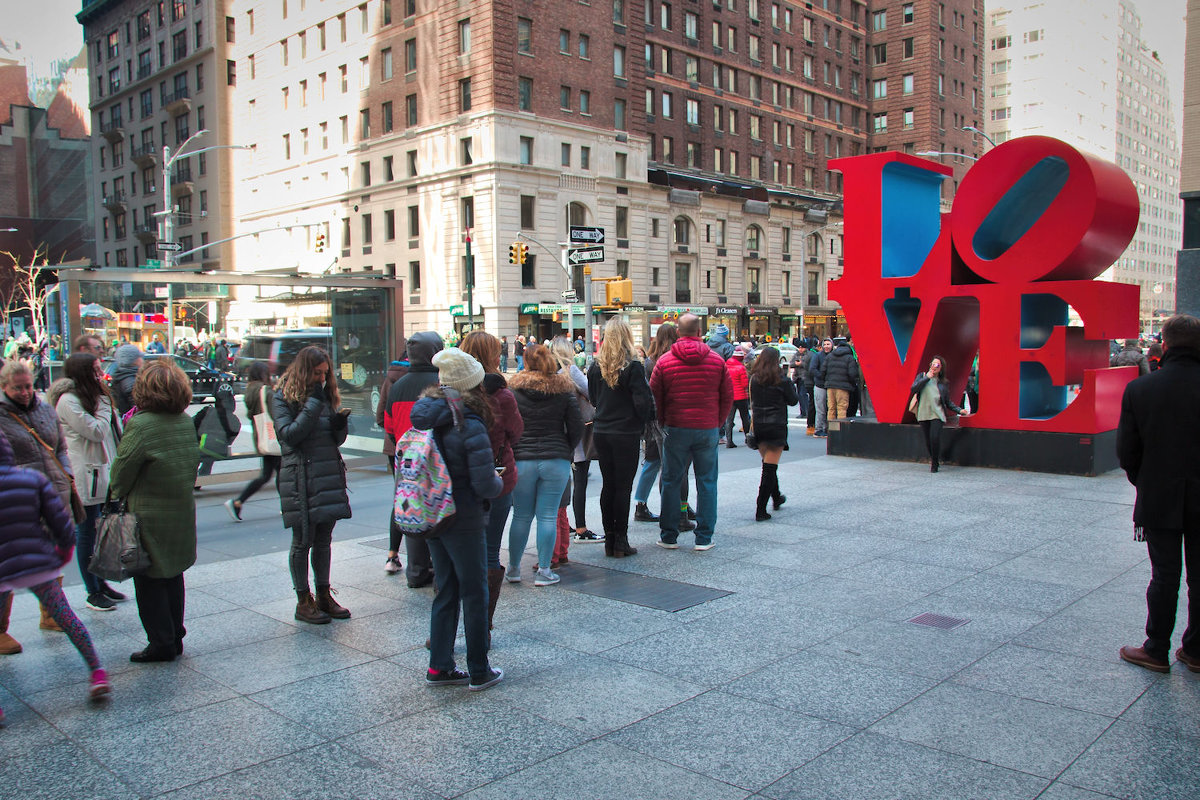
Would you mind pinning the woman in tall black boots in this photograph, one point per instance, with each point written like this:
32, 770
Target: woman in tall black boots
618, 388
770, 395
932, 394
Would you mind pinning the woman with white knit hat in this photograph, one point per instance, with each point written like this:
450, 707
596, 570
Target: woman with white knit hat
458, 413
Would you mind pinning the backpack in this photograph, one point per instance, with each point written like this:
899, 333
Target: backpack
424, 505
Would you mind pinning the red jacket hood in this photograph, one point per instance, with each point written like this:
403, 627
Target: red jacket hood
691, 350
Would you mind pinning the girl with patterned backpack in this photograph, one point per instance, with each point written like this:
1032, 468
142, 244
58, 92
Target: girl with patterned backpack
458, 413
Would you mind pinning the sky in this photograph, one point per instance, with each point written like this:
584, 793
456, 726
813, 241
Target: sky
53, 34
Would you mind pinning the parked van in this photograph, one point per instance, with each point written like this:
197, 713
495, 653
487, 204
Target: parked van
278, 350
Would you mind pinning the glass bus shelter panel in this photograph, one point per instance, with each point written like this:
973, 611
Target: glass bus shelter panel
360, 352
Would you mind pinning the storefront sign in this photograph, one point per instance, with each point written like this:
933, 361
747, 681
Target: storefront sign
528, 308
559, 308
760, 311
725, 311
460, 310
700, 311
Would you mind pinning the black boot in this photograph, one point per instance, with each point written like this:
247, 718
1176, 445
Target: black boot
621, 546
764, 494
642, 513
777, 497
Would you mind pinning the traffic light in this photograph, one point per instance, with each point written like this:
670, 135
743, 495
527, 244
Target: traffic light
618, 293
514, 253
320, 245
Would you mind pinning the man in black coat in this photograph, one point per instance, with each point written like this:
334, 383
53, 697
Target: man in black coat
1157, 440
404, 393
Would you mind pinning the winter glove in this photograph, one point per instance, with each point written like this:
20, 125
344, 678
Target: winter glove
318, 392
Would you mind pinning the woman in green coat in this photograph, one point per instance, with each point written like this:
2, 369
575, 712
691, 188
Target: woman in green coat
154, 469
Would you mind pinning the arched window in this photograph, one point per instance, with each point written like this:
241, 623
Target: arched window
577, 214
754, 239
682, 232
815, 245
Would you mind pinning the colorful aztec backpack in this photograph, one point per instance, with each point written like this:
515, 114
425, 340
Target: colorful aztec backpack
424, 506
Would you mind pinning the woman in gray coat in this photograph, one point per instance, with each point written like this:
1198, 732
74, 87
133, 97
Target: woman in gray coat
310, 426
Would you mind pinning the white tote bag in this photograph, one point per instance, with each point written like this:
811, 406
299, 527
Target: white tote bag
264, 429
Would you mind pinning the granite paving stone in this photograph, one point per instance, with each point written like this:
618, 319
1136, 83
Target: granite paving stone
601, 770
829, 688
44, 774
1064, 791
457, 747
998, 729
1170, 704
873, 767
752, 744
1014, 592
274, 662
908, 648
325, 772
1139, 763
185, 748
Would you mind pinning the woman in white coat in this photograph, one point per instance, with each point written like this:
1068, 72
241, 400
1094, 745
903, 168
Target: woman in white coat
92, 430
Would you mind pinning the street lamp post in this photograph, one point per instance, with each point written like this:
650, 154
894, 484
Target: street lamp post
973, 129
168, 215
939, 153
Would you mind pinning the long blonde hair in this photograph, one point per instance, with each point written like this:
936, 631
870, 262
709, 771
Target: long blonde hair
296, 380
616, 350
563, 352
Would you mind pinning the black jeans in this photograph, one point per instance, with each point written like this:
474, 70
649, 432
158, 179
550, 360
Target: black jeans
321, 549
739, 407
617, 455
580, 470
270, 465
812, 407
932, 428
160, 604
1168, 551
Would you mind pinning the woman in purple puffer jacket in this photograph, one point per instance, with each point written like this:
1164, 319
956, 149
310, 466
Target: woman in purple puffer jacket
37, 538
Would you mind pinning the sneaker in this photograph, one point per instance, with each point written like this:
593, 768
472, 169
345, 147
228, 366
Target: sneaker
705, 546
233, 510
392, 565
1139, 656
1191, 662
455, 677
587, 536
96, 601
111, 593
493, 677
545, 578
667, 545
100, 685
513, 575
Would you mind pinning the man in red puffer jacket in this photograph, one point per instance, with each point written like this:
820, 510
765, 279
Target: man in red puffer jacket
736, 368
693, 395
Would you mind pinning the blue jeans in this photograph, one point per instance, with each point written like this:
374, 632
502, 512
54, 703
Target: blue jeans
683, 447
645, 483
520, 363
85, 543
497, 518
459, 558
540, 485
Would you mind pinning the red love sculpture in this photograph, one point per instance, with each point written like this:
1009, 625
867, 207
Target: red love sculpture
1033, 222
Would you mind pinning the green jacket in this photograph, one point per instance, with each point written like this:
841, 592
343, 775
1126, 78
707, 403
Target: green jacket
155, 469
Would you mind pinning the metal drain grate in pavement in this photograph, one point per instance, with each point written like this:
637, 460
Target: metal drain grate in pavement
641, 590
938, 621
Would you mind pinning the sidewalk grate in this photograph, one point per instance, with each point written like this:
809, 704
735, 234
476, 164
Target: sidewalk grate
939, 621
641, 590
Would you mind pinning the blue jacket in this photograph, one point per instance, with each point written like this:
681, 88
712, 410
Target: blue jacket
29, 500
467, 452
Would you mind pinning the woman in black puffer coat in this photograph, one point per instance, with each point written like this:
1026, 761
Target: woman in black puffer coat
311, 427
460, 554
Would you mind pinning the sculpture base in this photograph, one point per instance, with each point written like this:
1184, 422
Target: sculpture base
1035, 451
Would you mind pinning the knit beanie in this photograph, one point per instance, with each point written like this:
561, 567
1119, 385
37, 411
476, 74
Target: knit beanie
721, 330
458, 370
127, 355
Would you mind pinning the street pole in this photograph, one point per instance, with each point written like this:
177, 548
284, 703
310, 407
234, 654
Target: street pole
587, 310
470, 286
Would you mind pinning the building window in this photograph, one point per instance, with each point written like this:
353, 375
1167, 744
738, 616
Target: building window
619, 114
414, 277
693, 112
564, 41
906, 13
524, 35
528, 271
410, 110
585, 42
526, 150
366, 230
619, 61
565, 154
879, 88
909, 47
585, 102
754, 239
464, 36
385, 71
414, 222
585, 158
880, 123
386, 111
465, 156
410, 55
878, 54
364, 124
464, 94
525, 94
909, 118
528, 204
564, 98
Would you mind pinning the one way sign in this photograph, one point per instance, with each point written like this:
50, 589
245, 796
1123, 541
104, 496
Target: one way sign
585, 255
589, 235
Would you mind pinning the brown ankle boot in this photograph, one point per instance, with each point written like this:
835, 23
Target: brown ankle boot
307, 610
621, 547
48, 622
495, 581
8, 645
332, 607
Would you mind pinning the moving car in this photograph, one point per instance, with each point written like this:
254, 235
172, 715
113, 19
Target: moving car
786, 350
205, 380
